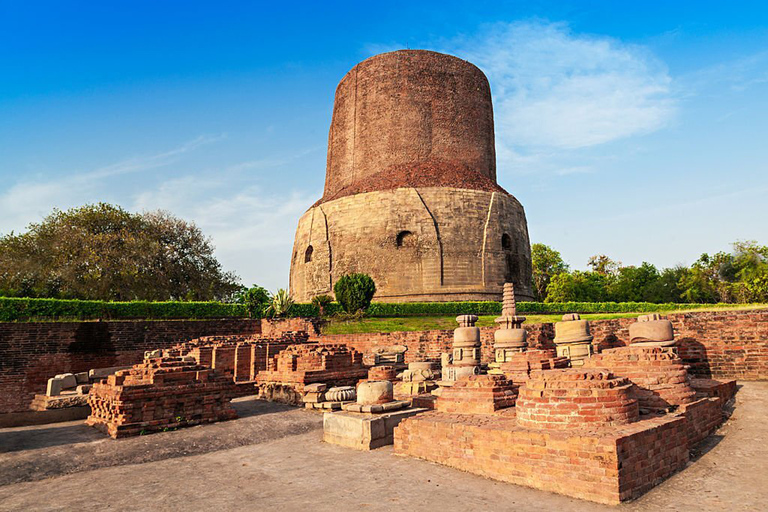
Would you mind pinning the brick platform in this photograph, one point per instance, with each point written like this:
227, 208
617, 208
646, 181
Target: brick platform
477, 394
711, 388
575, 399
606, 465
659, 375
160, 394
298, 365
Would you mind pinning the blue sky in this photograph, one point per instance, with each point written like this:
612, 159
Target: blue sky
633, 129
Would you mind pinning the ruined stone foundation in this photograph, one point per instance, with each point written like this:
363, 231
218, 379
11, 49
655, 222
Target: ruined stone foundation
298, 365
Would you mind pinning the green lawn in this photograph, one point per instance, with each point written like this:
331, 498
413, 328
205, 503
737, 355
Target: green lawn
426, 323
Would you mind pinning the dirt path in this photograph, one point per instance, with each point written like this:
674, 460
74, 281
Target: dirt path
274, 460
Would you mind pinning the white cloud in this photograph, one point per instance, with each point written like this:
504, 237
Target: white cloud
556, 90
252, 229
28, 201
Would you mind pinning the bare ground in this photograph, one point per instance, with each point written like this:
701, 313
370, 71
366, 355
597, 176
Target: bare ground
272, 459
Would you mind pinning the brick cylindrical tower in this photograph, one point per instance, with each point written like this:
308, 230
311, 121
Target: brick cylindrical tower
420, 114
410, 193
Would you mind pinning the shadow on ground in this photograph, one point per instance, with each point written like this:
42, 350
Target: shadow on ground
45, 451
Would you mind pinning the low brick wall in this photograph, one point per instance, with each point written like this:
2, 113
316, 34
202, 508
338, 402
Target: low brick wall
32, 352
720, 344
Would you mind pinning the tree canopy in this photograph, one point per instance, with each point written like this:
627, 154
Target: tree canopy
104, 252
738, 276
546, 263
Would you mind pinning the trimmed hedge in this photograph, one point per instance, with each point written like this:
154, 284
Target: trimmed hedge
494, 308
14, 309
385, 310
20, 309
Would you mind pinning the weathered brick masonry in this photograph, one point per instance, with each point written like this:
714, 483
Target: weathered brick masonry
32, 352
719, 344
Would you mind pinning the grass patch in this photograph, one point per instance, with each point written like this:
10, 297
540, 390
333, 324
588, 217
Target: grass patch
429, 323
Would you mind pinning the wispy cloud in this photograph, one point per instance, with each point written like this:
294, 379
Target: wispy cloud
555, 88
145, 163
252, 228
556, 91
736, 75
29, 200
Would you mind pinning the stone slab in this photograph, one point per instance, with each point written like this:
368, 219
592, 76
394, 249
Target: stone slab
362, 431
18, 419
68, 380
376, 408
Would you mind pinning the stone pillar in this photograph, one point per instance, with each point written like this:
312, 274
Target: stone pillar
573, 339
509, 338
465, 358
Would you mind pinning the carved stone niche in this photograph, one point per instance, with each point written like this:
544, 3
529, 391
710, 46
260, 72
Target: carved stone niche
391, 356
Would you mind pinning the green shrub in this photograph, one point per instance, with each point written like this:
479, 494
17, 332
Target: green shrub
321, 302
354, 291
256, 300
14, 309
280, 305
21, 309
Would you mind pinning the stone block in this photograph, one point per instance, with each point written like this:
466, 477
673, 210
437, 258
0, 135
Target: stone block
82, 378
54, 387
363, 431
68, 380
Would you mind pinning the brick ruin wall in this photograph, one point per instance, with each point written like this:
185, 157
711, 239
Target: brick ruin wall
719, 344
32, 352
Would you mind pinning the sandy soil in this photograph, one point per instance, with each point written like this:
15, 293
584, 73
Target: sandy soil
272, 459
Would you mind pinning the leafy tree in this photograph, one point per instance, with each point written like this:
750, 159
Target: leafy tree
668, 286
604, 265
577, 286
635, 284
256, 300
709, 279
354, 292
547, 263
104, 252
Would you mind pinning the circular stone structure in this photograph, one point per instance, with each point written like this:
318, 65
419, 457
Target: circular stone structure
575, 398
374, 392
410, 193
